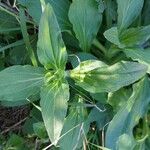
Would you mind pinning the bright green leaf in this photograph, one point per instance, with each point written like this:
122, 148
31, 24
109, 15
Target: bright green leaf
96, 77
54, 97
51, 49
86, 20
20, 82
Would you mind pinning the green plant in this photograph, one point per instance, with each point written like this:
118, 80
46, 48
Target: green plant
82, 93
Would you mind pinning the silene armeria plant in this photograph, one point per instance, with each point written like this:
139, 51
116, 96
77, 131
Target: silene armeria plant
79, 92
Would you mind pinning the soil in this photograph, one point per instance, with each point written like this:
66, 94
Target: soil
11, 119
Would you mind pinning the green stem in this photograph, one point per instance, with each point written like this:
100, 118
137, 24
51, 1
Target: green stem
97, 44
26, 37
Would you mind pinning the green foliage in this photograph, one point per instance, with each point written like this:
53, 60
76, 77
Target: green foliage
83, 67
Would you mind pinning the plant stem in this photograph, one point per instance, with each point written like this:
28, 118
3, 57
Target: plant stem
26, 37
97, 44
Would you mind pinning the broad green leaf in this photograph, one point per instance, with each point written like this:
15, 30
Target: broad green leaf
17, 83
51, 49
119, 98
128, 116
102, 78
112, 35
135, 36
141, 55
54, 97
86, 20
128, 11
60, 7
